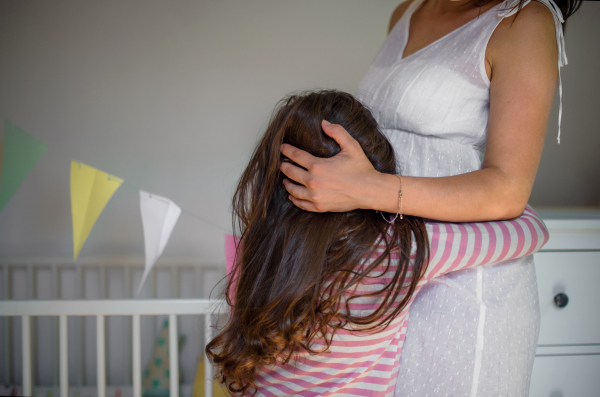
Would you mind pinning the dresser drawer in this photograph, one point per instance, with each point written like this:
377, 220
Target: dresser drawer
566, 376
573, 234
576, 275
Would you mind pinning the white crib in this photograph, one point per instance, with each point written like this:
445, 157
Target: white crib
68, 298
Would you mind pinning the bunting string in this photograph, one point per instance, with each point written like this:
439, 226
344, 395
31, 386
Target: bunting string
130, 186
183, 210
91, 189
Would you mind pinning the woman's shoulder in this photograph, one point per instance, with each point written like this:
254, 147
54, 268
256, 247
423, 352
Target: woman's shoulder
533, 13
531, 31
534, 22
397, 14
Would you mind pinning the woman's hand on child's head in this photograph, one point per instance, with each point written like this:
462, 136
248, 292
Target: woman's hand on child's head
336, 184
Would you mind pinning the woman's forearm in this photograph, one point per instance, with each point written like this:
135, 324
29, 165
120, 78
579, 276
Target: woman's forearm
486, 194
348, 181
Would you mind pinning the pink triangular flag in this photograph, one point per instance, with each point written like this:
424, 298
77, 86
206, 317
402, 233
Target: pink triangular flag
231, 245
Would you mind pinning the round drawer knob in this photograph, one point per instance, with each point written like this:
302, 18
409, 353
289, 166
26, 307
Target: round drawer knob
561, 300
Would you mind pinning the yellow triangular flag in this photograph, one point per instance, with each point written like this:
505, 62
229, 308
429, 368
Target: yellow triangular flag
90, 191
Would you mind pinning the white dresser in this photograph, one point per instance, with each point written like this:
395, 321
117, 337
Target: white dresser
567, 362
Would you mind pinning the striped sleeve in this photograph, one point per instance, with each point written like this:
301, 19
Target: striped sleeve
366, 364
456, 246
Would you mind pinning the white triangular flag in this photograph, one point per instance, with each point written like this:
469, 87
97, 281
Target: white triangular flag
159, 216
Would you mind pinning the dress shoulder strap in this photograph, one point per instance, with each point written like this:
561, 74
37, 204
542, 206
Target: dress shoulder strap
510, 9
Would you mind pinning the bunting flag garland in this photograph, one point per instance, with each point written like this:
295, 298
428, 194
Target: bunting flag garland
159, 216
91, 189
21, 153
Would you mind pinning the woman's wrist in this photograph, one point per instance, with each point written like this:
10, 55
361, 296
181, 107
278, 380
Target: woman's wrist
380, 192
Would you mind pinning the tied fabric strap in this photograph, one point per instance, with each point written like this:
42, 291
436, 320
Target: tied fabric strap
560, 40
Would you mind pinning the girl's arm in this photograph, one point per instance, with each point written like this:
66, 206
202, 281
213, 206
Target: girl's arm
522, 58
463, 245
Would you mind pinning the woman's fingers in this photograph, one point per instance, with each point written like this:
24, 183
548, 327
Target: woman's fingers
340, 135
327, 184
298, 195
294, 173
298, 156
298, 191
303, 204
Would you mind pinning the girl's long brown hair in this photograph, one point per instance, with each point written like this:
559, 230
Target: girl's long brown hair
295, 269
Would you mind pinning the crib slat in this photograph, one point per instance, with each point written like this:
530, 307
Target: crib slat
208, 376
6, 273
100, 357
198, 282
5, 282
127, 292
137, 356
55, 325
63, 356
173, 356
30, 282
174, 282
81, 331
26, 343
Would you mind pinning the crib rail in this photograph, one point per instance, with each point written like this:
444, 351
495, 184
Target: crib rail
127, 263
101, 308
98, 278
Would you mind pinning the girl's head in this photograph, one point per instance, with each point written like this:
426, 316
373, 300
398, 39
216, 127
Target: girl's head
296, 271
297, 121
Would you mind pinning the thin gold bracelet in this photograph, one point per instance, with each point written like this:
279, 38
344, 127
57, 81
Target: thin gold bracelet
399, 205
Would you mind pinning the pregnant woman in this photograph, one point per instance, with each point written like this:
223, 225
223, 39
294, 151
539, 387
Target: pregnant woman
455, 80
320, 301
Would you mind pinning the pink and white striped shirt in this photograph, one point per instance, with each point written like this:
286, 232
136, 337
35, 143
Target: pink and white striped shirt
366, 363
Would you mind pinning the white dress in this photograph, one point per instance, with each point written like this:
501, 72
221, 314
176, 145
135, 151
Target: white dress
474, 332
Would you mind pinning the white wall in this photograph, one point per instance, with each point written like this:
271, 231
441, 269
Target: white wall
171, 96
569, 173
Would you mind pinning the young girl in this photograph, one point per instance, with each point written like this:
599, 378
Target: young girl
321, 299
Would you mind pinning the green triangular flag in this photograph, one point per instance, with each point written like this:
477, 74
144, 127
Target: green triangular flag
21, 152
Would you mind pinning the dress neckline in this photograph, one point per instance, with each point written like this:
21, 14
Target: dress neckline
414, 7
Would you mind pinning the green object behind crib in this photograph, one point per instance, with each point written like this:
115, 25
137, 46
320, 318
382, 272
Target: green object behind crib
156, 376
